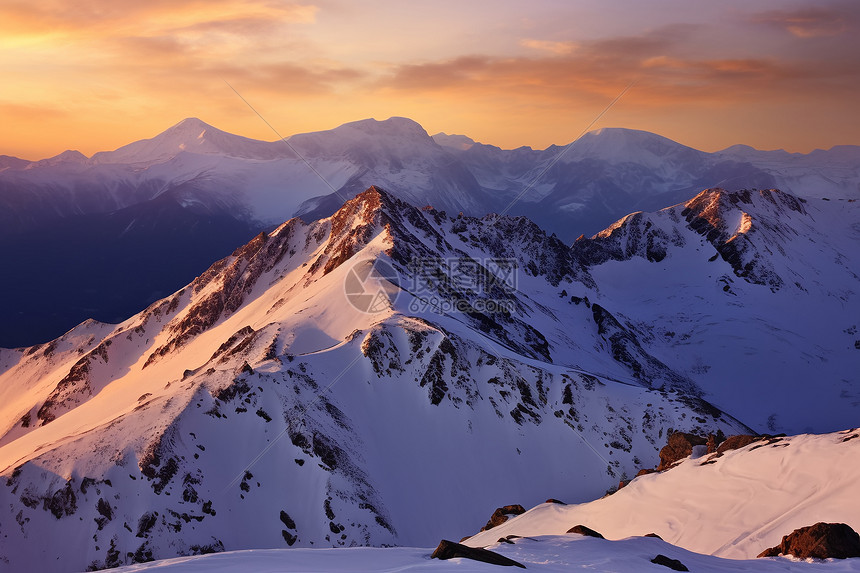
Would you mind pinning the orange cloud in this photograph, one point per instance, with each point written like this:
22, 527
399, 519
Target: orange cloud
125, 66
118, 16
558, 48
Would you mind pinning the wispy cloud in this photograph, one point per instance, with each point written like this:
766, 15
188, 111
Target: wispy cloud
812, 22
666, 63
312, 63
80, 18
558, 48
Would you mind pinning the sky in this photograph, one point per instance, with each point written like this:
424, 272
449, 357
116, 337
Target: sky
93, 75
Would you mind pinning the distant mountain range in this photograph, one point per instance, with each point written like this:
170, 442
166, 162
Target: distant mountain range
103, 237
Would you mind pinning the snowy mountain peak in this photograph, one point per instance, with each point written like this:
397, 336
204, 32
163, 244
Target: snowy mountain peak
10, 162
746, 227
393, 126
191, 135
69, 156
618, 145
720, 207
454, 141
267, 370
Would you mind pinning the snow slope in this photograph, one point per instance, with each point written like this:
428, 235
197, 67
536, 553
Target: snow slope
752, 294
259, 408
552, 554
733, 506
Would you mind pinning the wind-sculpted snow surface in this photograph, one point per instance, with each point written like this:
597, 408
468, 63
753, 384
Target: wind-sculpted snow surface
546, 554
731, 505
259, 407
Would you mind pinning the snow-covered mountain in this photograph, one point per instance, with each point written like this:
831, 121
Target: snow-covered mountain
753, 294
833, 173
390, 374
190, 135
607, 173
185, 196
382, 376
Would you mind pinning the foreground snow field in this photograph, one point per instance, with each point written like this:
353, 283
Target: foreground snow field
733, 506
549, 554
714, 514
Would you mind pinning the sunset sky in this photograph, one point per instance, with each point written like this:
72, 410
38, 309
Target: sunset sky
94, 75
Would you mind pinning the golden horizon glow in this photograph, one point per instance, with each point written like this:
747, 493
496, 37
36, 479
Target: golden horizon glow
97, 75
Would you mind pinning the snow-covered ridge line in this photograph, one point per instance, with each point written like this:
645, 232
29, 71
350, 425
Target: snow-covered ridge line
209, 190
190, 417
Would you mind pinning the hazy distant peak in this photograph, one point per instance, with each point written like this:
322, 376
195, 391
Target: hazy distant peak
193, 136
393, 126
738, 148
625, 136
455, 141
68, 156
621, 145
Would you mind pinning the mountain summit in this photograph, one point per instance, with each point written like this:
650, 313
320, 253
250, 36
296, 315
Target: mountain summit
265, 404
205, 189
190, 135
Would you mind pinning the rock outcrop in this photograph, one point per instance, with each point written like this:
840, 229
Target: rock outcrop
450, 550
673, 564
679, 446
819, 541
583, 530
502, 514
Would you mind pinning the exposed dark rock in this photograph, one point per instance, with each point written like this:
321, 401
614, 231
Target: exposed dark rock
239, 387
653, 535
645, 472
737, 442
145, 523
217, 546
143, 554
679, 446
287, 520
501, 515
553, 500
819, 541
714, 441
583, 530
450, 550
673, 564
288, 537
63, 502
104, 509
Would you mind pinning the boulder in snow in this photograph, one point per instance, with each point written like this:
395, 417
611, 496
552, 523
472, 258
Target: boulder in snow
502, 514
673, 564
679, 446
450, 550
821, 541
583, 530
